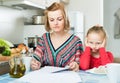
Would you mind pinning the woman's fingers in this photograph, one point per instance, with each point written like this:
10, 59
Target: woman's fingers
74, 66
35, 64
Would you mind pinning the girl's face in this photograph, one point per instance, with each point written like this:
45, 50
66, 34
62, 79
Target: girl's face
56, 20
95, 40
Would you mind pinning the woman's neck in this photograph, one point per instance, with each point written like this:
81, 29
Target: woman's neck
58, 39
60, 34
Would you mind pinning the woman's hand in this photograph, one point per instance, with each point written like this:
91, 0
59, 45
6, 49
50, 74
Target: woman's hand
35, 65
74, 66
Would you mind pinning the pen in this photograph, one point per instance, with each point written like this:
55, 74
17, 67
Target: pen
62, 70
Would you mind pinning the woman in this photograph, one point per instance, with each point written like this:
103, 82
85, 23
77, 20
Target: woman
57, 47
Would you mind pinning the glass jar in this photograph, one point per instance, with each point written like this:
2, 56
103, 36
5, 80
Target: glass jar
17, 68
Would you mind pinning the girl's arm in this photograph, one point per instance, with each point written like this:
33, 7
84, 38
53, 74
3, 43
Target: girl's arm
106, 57
85, 59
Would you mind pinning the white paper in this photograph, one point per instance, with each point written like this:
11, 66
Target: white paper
99, 70
45, 75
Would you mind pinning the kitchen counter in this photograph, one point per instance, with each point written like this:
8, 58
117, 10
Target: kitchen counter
4, 67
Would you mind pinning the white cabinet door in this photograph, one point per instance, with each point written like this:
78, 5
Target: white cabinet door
76, 19
26, 4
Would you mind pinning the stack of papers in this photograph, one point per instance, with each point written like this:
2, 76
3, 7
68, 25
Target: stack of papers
47, 75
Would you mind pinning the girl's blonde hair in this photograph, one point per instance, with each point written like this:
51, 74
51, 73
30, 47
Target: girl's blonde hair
56, 6
97, 29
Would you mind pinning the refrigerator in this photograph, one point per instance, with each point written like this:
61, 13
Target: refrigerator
76, 19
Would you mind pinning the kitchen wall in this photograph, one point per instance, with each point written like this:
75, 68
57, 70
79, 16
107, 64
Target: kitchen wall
99, 12
90, 12
93, 14
110, 7
9, 29
12, 23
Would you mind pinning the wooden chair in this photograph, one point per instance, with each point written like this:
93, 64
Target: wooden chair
117, 60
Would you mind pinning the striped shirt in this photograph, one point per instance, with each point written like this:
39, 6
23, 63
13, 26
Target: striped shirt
68, 52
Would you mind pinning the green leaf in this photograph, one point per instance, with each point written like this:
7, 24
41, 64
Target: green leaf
6, 53
6, 43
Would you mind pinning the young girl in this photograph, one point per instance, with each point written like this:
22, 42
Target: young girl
95, 54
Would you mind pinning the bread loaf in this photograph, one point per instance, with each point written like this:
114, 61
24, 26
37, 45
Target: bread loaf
15, 50
22, 47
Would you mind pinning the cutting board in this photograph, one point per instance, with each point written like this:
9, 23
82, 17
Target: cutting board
4, 67
6, 58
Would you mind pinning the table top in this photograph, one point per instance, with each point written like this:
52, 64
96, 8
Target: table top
85, 76
93, 78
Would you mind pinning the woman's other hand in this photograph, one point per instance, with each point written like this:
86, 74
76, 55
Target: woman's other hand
35, 65
74, 66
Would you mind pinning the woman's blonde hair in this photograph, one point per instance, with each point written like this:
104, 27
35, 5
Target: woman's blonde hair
97, 29
56, 6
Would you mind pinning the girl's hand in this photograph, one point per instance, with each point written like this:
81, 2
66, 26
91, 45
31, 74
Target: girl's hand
74, 66
86, 42
103, 43
35, 65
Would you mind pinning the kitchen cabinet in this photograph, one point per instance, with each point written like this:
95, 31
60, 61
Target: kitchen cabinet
25, 4
29, 4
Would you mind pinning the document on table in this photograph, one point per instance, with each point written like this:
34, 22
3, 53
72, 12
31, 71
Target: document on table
46, 75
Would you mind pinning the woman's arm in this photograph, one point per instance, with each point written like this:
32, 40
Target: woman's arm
37, 60
74, 65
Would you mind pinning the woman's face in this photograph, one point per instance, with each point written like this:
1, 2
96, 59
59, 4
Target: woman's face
56, 20
95, 40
